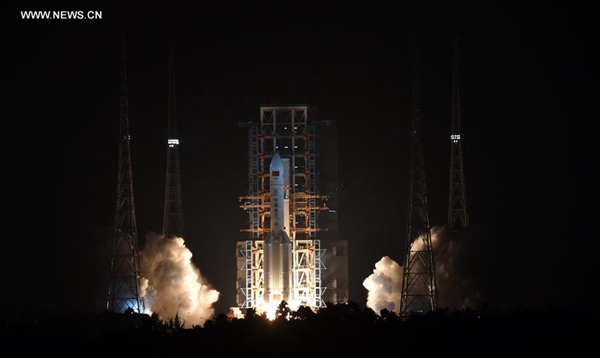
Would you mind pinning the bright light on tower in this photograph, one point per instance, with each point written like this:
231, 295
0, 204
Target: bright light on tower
172, 142
455, 138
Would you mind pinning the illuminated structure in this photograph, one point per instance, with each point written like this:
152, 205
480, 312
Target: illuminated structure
419, 292
173, 210
288, 131
458, 218
124, 280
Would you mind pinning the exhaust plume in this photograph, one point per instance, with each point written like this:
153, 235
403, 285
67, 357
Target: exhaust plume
456, 266
172, 284
384, 286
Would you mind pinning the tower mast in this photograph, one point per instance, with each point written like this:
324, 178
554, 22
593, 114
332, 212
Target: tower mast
419, 292
173, 210
124, 285
457, 204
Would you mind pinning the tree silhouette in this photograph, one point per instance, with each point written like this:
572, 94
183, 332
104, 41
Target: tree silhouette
176, 324
303, 313
283, 310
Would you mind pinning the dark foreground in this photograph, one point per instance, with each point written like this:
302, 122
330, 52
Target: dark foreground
335, 330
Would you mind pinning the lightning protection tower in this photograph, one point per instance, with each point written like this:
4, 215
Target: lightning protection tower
458, 218
124, 281
173, 211
419, 293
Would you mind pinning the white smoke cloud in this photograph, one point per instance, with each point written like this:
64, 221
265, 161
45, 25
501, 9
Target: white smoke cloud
172, 284
384, 286
456, 283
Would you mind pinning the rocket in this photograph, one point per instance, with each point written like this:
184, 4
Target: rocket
278, 246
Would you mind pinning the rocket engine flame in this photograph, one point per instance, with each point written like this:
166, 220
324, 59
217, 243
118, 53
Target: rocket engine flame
172, 284
269, 309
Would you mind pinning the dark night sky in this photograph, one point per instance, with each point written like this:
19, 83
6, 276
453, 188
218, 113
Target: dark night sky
526, 90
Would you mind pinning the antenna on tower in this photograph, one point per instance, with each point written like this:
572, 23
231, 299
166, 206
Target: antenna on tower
458, 217
173, 211
419, 292
124, 285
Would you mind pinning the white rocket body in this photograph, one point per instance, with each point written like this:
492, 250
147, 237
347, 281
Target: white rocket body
278, 246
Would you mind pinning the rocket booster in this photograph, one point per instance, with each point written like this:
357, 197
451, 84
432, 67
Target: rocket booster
278, 246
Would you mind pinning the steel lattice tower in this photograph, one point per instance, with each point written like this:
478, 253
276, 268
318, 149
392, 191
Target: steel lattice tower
419, 292
173, 211
457, 203
124, 285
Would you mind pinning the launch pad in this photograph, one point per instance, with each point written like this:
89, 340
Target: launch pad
283, 258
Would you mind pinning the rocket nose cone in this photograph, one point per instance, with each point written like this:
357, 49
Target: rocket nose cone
276, 164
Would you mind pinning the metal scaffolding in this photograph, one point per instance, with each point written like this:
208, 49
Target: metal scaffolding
287, 130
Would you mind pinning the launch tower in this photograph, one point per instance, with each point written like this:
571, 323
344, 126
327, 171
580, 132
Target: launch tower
124, 280
418, 293
284, 141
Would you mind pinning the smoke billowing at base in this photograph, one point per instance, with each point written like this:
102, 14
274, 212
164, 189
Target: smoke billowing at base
456, 274
384, 286
172, 284
457, 283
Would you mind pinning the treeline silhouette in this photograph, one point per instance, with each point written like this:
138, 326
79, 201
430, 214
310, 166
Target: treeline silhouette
333, 330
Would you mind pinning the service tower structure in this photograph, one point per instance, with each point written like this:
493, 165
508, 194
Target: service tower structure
283, 257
